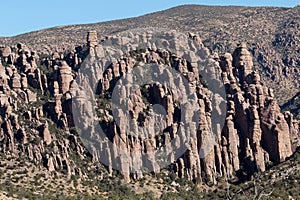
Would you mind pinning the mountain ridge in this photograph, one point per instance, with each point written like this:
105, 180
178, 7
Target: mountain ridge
138, 16
220, 28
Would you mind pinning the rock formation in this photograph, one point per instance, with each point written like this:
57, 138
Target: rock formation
37, 119
254, 134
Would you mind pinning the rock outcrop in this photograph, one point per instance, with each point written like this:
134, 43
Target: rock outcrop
177, 115
264, 133
255, 132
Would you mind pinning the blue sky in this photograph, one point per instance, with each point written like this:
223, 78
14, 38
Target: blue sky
18, 17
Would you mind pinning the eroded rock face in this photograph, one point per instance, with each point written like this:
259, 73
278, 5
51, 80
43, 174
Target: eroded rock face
264, 133
143, 119
254, 133
24, 93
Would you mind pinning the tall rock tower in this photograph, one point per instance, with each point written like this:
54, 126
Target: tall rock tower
92, 39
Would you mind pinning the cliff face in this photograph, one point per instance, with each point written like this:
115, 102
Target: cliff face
255, 131
183, 120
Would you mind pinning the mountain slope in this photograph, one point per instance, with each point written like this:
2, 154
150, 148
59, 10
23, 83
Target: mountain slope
43, 154
272, 34
293, 105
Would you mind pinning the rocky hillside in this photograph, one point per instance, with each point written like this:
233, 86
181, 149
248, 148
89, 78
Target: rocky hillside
272, 35
171, 125
153, 112
293, 105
